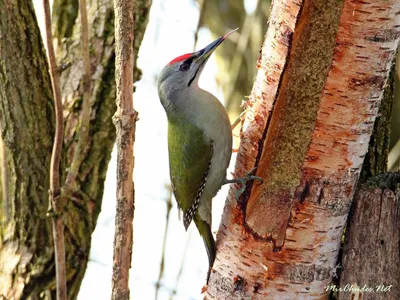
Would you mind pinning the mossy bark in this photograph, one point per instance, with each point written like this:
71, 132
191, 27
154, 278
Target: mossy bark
375, 161
26, 105
26, 252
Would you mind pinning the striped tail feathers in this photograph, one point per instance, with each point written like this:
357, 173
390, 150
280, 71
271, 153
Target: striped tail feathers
205, 231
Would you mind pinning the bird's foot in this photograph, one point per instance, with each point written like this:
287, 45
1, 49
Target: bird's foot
243, 180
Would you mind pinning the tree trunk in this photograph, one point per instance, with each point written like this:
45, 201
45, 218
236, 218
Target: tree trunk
322, 71
375, 163
371, 261
26, 245
26, 251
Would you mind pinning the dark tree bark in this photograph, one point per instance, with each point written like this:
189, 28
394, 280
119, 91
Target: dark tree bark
371, 255
27, 111
26, 105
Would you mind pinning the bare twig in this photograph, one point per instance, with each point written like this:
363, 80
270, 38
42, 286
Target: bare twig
241, 47
125, 122
63, 67
55, 199
182, 264
161, 273
83, 139
237, 121
4, 179
202, 4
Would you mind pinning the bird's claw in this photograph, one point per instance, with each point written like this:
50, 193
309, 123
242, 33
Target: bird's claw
243, 180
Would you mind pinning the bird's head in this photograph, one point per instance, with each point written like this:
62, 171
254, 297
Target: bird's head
184, 71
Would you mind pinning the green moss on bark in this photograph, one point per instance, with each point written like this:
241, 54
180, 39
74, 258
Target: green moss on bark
27, 111
375, 161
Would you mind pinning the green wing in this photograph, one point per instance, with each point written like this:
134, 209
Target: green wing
189, 161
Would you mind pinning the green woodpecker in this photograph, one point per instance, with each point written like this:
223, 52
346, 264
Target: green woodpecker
199, 140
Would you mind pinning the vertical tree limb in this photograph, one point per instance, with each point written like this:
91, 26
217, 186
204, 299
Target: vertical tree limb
125, 122
371, 252
162, 263
376, 159
56, 202
27, 123
83, 137
4, 182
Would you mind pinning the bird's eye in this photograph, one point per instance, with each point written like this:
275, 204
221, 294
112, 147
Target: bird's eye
184, 67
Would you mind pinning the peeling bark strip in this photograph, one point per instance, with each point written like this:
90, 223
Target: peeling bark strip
371, 252
125, 121
315, 165
292, 122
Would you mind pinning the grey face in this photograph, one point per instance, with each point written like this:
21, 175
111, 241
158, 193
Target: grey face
183, 73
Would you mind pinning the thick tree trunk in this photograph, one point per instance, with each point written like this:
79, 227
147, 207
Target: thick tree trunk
26, 246
309, 118
365, 218
26, 251
371, 255
366, 263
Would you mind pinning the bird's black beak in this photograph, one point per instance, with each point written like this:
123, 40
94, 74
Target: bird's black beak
203, 54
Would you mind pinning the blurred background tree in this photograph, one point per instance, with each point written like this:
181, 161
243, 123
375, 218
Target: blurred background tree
237, 58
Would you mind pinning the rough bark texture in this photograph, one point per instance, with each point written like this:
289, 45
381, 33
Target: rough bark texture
375, 163
26, 252
310, 116
371, 255
125, 123
27, 109
376, 160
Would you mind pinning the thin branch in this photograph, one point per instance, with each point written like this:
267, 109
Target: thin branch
125, 123
202, 4
236, 63
4, 179
55, 199
83, 139
238, 120
162, 263
182, 264
63, 67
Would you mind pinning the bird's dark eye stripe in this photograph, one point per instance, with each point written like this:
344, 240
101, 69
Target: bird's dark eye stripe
195, 74
186, 64
189, 61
